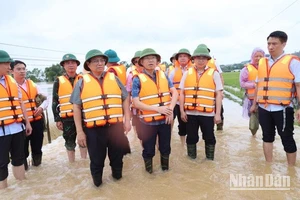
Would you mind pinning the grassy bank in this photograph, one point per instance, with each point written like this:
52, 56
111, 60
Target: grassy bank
232, 84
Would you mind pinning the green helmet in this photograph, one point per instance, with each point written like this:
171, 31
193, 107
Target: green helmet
93, 53
203, 45
173, 56
148, 52
136, 55
4, 57
112, 56
69, 57
182, 51
201, 51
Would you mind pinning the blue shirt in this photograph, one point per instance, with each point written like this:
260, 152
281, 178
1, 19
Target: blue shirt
295, 70
15, 127
136, 87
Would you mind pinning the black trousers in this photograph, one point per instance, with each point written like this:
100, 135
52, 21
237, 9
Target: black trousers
35, 139
181, 124
13, 145
101, 140
284, 122
149, 134
206, 125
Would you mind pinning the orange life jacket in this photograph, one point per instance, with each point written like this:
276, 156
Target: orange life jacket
120, 72
178, 75
171, 68
64, 93
28, 98
162, 67
154, 94
10, 106
252, 74
212, 64
101, 103
275, 84
199, 93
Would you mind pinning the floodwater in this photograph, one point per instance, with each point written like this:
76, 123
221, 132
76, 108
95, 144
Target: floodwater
237, 152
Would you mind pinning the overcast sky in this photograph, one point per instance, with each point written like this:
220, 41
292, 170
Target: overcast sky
230, 28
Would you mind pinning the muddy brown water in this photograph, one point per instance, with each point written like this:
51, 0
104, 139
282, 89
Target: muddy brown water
237, 152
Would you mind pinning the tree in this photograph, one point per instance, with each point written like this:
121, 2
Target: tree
52, 72
36, 75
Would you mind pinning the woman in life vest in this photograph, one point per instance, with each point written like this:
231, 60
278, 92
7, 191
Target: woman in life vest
151, 93
247, 81
101, 115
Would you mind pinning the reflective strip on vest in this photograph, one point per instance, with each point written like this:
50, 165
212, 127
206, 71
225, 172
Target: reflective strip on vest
200, 96
274, 98
150, 115
65, 96
199, 104
8, 99
199, 88
10, 117
275, 79
274, 88
9, 108
102, 117
155, 96
101, 97
102, 107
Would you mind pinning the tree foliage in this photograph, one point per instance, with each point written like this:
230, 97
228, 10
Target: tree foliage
36, 75
52, 72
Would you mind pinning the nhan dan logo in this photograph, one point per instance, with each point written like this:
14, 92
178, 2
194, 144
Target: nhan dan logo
264, 182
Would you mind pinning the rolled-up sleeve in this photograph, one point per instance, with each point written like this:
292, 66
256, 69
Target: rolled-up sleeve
75, 96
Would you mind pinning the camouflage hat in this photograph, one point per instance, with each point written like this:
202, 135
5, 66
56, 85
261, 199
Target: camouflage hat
182, 51
4, 57
136, 55
201, 51
203, 45
148, 52
69, 57
93, 53
173, 56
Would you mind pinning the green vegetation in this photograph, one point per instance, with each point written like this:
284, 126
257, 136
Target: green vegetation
52, 72
232, 84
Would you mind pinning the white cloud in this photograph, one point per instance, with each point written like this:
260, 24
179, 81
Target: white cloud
230, 28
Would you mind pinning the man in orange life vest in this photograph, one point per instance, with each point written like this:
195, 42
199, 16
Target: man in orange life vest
12, 114
151, 95
102, 115
29, 92
172, 66
62, 108
182, 58
277, 80
200, 103
114, 66
213, 64
135, 69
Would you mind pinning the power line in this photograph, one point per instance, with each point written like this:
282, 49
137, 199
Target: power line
274, 17
17, 55
36, 59
36, 48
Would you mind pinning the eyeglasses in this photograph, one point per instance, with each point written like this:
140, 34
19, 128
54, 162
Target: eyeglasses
98, 61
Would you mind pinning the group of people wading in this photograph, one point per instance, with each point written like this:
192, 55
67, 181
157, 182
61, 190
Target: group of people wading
98, 108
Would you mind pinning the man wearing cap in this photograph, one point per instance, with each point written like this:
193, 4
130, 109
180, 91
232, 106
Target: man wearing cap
135, 70
101, 113
182, 58
12, 116
172, 66
114, 66
213, 64
151, 95
29, 92
61, 106
200, 103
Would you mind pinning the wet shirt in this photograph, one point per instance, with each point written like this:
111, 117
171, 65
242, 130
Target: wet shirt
55, 98
219, 87
75, 96
295, 70
15, 127
136, 87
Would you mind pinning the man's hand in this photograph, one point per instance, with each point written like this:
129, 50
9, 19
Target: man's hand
59, 125
38, 112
